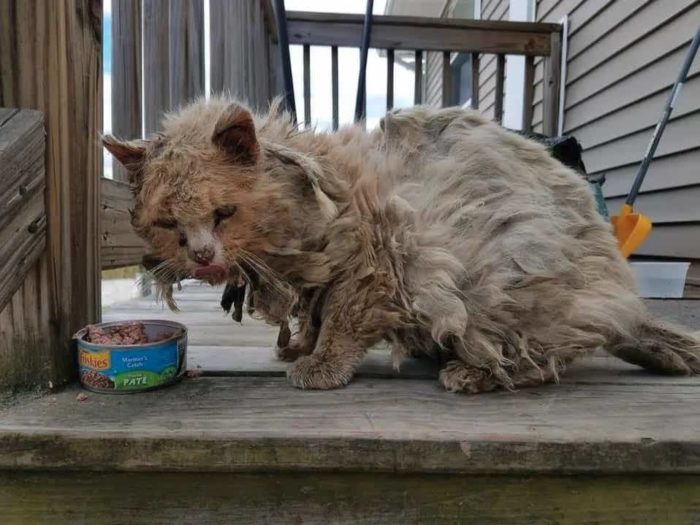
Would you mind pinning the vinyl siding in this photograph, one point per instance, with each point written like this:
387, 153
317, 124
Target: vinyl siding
623, 58
490, 10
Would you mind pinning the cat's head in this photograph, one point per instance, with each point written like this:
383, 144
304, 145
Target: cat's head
192, 185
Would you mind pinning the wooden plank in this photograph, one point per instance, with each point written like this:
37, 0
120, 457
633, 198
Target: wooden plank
395, 32
235, 424
551, 87
156, 62
500, 73
36, 73
120, 244
446, 80
22, 145
334, 85
186, 50
307, 86
22, 209
126, 74
418, 78
389, 79
528, 93
321, 498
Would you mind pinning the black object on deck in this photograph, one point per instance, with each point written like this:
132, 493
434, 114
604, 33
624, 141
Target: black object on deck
283, 44
361, 99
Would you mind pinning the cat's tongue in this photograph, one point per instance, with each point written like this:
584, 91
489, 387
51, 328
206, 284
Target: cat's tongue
211, 270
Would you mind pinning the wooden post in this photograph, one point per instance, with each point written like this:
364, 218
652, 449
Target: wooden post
307, 86
389, 79
552, 79
446, 80
528, 92
186, 51
475, 80
418, 79
500, 74
334, 85
126, 74
50, 60
156, 62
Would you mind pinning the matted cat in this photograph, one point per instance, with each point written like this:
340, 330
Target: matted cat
440, 232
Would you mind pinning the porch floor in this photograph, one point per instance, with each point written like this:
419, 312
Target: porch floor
241, 415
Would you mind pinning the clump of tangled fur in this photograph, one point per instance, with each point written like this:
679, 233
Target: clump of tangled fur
440, 232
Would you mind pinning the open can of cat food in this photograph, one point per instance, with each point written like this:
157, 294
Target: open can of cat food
131, 356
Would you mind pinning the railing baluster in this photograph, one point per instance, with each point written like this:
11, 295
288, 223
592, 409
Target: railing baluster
446, 80
389, 79
500, 72
307, 86
475, 80
334, 84
418, 83
528, 92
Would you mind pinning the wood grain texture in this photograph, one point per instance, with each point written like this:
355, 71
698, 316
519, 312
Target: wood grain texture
186, 51
126, 74
334, 85
263, 424
552, 81
418, 33
156, 63
500, 78
418, 78
307, 86
528, 93
321, 499
389, 79
447, 95
50, 60
120, 246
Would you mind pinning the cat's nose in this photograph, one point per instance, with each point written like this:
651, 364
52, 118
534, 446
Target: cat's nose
203, 256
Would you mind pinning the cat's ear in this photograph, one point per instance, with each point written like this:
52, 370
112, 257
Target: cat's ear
235, 134
130, 153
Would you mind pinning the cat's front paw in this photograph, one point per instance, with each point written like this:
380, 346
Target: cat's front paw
310, 372
293, 350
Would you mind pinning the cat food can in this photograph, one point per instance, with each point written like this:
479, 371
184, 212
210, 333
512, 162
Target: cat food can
117, 366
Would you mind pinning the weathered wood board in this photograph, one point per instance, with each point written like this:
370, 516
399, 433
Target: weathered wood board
321, 499
50, 61
236, 424
22, 208
120, 246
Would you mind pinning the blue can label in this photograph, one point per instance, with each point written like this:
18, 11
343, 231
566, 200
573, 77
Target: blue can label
130, 369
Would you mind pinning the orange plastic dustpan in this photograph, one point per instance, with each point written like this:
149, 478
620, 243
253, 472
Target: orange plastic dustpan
631, 229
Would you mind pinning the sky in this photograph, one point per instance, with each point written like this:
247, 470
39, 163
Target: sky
348, 60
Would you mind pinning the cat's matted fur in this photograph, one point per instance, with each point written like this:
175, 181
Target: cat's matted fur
440, 232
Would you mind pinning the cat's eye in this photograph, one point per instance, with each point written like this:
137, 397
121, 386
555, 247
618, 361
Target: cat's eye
168, 223
224, 213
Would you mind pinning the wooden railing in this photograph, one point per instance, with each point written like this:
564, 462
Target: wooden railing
448, 36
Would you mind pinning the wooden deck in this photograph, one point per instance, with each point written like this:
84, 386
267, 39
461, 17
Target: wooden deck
240, 416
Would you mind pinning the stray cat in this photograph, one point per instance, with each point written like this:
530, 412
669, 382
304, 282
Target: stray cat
440, 232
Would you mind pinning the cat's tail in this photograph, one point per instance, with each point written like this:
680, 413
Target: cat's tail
661, 348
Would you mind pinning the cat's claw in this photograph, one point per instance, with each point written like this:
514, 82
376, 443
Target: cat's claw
310, 372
